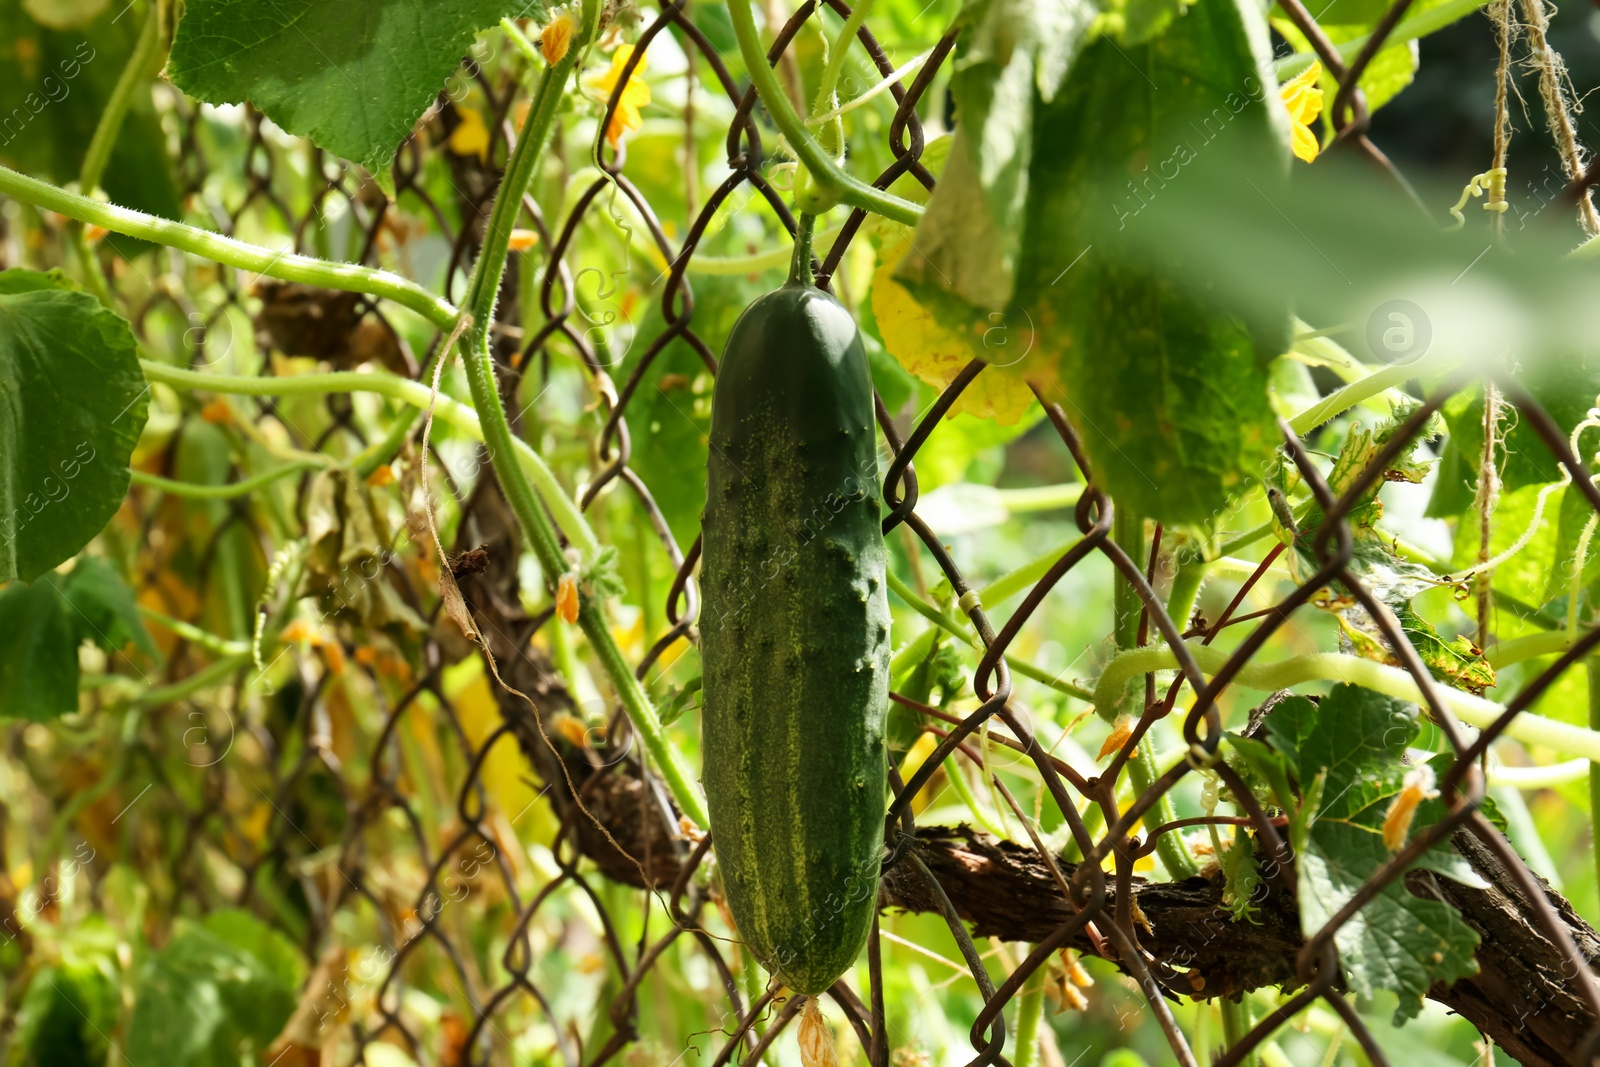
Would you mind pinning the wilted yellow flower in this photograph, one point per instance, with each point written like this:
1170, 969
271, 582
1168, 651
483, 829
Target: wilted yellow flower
471, 136
556, 38
1418, 786
635, 94
1303, 99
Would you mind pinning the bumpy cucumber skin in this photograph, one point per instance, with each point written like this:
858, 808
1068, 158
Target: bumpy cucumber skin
795, 637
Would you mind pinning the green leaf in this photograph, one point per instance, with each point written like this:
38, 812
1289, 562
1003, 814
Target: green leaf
55, 81
67, 1013
38, 653
1241, 875
353, 78
72, 406
217, 993
1168, 388
103, 608
1565, 387
1012, 57
1354, 736
1397, 941
1348, 749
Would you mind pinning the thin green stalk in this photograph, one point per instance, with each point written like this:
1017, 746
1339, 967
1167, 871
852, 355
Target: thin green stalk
1235, 1024
958, 782
1030, 1010
1127, 530
912, 653
1347, 397
831, 134
1174, 852
197, 491
1593, 664
133, 75
828, 175
286, 265
1185, 590
482, 290
201, 679
446, 410
1476, 711
800, 257
140, 67
193, 634
642, 714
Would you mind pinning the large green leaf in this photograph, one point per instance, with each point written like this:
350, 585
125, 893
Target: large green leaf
1168, 388
218, 993
42, 625
1032, 223
72, 406
352, 77
54, 85
1397, 941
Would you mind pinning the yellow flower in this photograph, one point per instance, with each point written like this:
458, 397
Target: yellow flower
471, 136
635, 94
556, 39
1303, 100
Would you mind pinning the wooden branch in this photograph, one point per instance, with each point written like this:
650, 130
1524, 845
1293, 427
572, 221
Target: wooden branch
1521, 996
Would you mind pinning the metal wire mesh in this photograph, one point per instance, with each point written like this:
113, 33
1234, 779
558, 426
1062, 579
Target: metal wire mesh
339, 872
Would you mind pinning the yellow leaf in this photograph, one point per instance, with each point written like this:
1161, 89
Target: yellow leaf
935, 354
507, 775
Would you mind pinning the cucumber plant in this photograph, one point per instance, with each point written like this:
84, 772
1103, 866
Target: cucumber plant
397, 410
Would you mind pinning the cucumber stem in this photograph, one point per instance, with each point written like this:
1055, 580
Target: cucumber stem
1127, 529
1030, 1011
800, 261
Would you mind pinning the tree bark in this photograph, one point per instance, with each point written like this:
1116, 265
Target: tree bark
1523, 995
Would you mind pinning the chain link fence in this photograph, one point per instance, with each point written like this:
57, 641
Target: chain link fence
615, 824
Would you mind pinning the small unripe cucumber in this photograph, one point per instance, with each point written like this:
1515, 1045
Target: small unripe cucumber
795, 636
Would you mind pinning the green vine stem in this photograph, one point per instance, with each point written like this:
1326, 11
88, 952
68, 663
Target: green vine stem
198, 491
482, 290
829, 177
1528, 727
1593, 666
139, 67
446, 410
285, 265
800, 255
1030, 1010
1127, 529
918, 648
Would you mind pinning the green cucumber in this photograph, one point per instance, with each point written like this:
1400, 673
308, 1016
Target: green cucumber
795, 635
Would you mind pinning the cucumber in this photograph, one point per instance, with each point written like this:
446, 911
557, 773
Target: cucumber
795, 635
